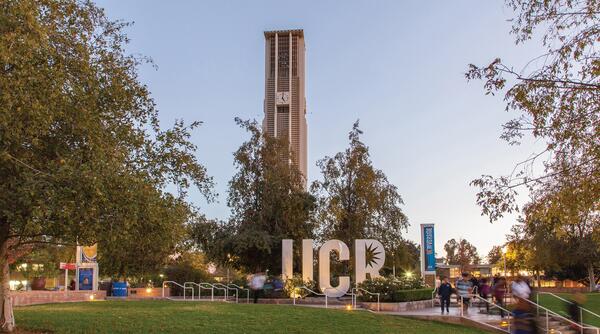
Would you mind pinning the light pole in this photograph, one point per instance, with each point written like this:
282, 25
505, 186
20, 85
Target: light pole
504, 259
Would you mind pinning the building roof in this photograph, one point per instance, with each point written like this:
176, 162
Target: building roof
298, 32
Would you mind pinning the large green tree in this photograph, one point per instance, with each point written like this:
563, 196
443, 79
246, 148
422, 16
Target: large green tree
461, 253
356, 200
268, 203
556, 97
82, 155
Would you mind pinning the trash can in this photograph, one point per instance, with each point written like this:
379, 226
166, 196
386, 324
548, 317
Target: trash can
119, 289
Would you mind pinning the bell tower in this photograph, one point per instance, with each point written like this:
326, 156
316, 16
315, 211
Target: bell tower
285, 100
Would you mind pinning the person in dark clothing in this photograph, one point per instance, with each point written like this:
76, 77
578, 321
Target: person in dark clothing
445, 291
574, 309
499, 293
484, 292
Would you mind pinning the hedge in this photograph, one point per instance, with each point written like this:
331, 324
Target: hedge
401, 296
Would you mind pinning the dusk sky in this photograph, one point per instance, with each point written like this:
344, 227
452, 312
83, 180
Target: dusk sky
398, 66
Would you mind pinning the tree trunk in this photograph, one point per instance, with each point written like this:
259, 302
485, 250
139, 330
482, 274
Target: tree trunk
7, 321
591, 277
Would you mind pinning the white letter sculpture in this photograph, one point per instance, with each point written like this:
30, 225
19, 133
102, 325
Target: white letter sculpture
307, 260
324, 275
287, 258
376, 260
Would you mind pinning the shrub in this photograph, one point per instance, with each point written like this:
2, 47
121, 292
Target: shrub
393, 289
296, 281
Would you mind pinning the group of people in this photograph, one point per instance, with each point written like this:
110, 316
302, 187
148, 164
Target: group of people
467, 287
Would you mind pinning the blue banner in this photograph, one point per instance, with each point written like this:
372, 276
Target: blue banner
86, 278
429, 247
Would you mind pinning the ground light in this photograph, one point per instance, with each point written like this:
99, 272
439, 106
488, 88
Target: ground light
92, 297
348, 307
408, 274
148, 290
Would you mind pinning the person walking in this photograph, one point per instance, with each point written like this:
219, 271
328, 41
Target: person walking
484, 292
499, 293
257, 282
464, 288
445, 291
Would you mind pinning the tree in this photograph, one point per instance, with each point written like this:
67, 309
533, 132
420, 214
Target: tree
268, 203
556, 96
461, 253
495, 255
80, 143
565, 217
355, 200
405, 257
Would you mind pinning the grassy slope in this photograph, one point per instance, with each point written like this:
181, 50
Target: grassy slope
206, 317
592, 304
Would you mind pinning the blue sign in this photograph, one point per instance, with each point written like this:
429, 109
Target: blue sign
86, 278
429, 247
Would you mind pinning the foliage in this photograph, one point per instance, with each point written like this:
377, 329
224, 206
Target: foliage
406, 257
461, 253
219, 318
495, 255
355, 200
556, 96
391, 288
189, 267
291, 286
268, 203
44, 260
82, 153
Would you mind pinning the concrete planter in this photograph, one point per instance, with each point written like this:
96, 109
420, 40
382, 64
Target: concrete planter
398, 307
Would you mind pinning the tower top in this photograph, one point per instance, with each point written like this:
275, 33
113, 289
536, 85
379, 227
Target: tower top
295, 32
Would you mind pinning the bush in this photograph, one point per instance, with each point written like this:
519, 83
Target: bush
291, 285
393, 289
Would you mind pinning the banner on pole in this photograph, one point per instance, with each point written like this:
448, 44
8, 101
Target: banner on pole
427, 249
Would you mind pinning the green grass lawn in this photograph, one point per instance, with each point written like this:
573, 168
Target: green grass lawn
592, 304
207, 317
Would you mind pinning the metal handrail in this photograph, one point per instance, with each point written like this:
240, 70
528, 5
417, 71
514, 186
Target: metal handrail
200, 287
473, 296
309, 290
581, 309
556, 315
242, 288
433, 295
182, 286
354, 295
227, 291
216, 286
203, 285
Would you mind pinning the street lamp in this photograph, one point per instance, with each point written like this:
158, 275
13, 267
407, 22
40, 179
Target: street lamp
504, 258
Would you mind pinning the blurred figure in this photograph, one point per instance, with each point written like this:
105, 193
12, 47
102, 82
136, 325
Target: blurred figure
520, 288
499, 293
574, 309
445, 291
256, 283
523, 318
464, 288
484, 292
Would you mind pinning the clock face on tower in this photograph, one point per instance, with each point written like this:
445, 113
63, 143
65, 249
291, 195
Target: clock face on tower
282, 98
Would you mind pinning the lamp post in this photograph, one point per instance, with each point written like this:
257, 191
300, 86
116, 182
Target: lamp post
504, 259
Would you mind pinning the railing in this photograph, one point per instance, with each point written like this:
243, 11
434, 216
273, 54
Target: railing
235, 286
211, 288
355, 294
200, 287
433, 296
581, 327
226, 288
492, 305
165, 283
581, 309
295, 295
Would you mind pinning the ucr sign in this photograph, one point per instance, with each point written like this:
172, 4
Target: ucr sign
362, 266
